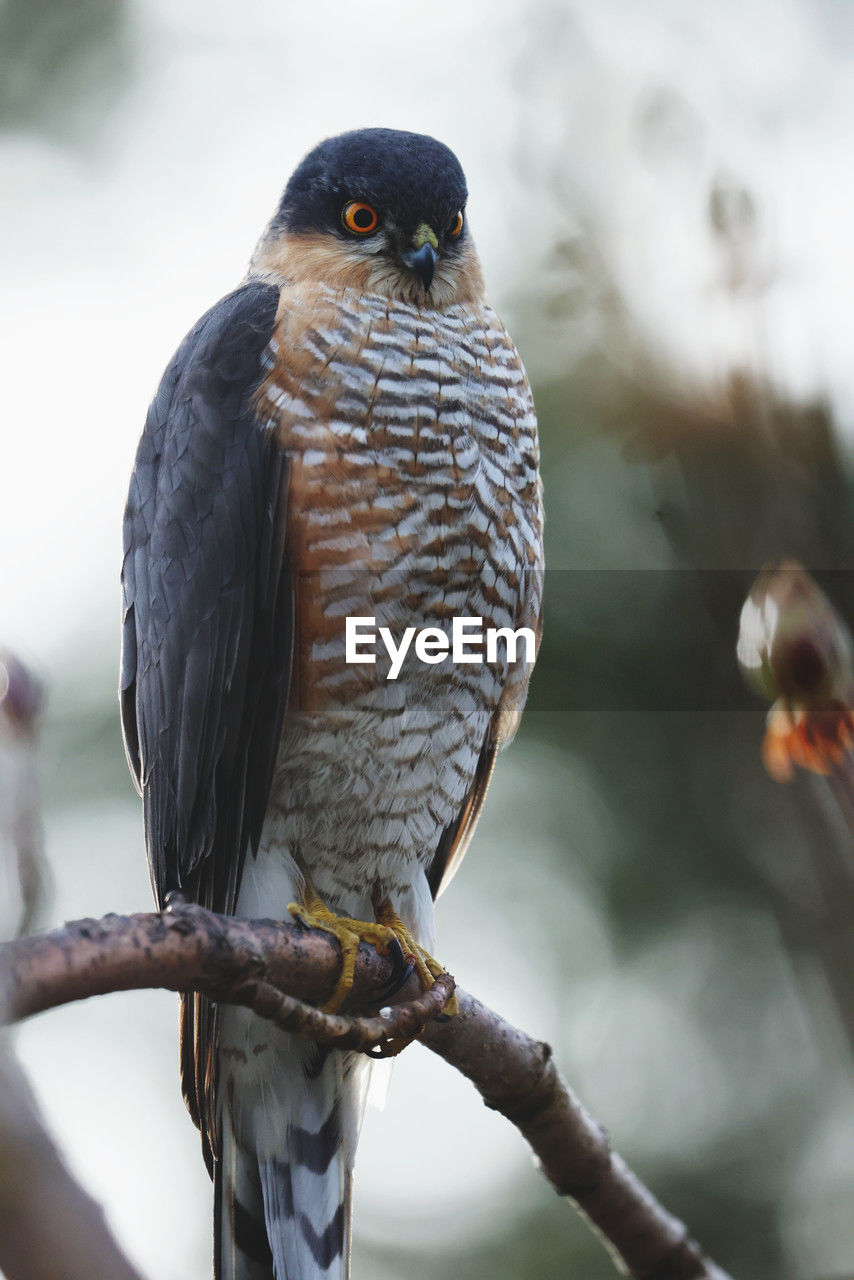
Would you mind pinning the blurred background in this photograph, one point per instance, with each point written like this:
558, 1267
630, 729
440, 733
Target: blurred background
663, 199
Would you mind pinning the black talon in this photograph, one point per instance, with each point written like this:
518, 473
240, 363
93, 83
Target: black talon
402, 971
396, 981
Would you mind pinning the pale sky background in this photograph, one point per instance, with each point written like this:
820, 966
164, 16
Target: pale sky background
108, 254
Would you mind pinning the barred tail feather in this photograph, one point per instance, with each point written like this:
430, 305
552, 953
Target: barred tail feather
241, 1248
284, 1180
305, 1186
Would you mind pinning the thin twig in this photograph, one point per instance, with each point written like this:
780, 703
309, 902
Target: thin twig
252, 962
382, 1036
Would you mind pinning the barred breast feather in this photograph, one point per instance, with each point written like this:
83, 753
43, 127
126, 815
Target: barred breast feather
414, 497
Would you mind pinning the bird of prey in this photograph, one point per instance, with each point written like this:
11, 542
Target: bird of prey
349, 434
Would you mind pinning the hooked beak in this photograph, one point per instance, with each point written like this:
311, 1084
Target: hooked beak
423, 262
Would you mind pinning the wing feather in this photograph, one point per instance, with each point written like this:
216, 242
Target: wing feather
456, 838
208, 622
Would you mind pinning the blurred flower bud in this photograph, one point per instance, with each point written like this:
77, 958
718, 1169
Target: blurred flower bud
795, 649
792, 644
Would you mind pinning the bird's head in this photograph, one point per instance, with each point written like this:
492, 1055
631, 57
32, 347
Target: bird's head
380, 211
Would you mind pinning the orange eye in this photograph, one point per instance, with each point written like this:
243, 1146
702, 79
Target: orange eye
360, 218
457, 225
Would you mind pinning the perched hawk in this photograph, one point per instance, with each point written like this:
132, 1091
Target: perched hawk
350, 433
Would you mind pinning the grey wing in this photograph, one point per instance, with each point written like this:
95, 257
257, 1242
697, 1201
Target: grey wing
207, 606
457, 837
208, 623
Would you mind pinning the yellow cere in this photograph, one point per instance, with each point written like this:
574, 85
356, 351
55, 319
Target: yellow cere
425, 235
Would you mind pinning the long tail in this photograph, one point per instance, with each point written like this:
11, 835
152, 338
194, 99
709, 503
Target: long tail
283, 1182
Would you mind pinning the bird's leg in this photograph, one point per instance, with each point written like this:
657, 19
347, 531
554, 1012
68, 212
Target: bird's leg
387, 933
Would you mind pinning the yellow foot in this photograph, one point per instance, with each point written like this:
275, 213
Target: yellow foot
387, 930
426, 967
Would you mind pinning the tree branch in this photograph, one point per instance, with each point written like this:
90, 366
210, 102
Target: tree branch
273, 967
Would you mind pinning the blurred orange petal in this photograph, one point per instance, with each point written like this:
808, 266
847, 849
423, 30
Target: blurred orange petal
816, 740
